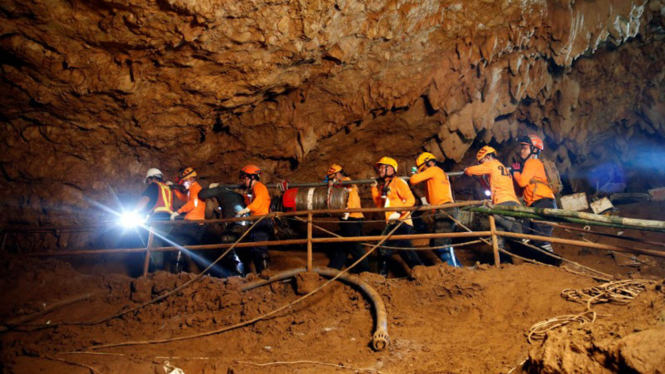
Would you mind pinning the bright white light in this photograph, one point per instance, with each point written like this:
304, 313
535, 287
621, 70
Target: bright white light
130, 220
488, 193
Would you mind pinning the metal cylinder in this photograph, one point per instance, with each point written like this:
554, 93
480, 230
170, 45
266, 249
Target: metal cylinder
321, 198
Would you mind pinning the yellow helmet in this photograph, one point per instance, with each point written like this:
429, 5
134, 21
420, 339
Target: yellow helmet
387, 161
188, 173
334, 168
423, 158
484, 151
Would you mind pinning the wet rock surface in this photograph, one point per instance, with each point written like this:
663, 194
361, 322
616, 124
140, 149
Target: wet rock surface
94, 93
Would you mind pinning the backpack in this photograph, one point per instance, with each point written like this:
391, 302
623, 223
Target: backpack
553, 177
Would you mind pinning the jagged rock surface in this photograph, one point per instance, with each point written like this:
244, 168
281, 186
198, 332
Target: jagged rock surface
95, 92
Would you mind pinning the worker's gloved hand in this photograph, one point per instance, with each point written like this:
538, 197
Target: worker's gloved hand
345, 216
374, 184
213, 185
394, 217
243, 212
283, 185
423, 201
174, 215
516, 167
387, 203
169, 183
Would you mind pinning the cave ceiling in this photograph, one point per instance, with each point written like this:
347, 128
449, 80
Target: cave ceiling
95, 92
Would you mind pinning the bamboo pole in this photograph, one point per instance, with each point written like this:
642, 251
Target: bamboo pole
146, 262
642, 223
495, 242
309, 242
641, 251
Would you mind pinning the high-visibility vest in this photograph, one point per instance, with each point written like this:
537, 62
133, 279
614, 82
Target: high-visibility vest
164, 199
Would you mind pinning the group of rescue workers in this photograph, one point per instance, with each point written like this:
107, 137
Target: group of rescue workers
388, 190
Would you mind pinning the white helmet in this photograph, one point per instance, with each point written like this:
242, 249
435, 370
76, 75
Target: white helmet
153, 172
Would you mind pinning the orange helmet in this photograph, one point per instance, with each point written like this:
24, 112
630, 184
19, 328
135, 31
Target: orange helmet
334, 168
484, 151
188, 173
534, 141
250, 170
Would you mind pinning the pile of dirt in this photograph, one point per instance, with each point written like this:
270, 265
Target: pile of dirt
440, 320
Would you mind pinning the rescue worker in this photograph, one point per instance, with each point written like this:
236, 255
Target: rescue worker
438, 192
257, 199
391, 191
501, 189
537, 192
351, 224
194, 210
157, 203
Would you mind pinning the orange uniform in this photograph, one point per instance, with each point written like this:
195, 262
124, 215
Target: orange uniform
438, 185
501, 182
398, 194
354, 199
194, 207
260, 203
534, 181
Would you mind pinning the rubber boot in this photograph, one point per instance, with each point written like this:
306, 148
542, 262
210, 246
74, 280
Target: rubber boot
238, 266
261, 263
447, 255
411, 258
384, 267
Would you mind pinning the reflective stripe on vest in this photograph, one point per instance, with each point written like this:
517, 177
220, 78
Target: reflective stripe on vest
164, 199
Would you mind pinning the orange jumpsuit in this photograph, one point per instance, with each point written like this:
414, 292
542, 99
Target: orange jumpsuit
501, 182
438, 185
260, 203
534, 181
399, 194
194, 207
354, 199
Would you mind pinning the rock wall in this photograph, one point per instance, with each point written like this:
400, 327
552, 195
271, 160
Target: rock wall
95, 92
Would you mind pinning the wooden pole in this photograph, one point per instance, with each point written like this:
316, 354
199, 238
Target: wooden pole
259, 244
146, 263
495, 242
309, 242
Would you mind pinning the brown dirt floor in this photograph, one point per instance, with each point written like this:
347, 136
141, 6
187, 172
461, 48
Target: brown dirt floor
440, 319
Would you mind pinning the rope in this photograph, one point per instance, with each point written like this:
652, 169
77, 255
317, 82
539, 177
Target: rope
177, 289
617, 292
261, 317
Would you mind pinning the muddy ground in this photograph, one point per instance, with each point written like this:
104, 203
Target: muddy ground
440, 319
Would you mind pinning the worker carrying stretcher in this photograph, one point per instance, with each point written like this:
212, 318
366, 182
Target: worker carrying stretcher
501, 188
391, 191
438, 191
257, 199
530, 175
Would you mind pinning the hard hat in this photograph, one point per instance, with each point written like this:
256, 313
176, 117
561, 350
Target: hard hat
423, 158
188, 173
484, 151
334, 168
387, 161
153, 173
534, 141
250, 169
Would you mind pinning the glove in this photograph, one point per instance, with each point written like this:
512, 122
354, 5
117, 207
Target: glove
394, 217
516, 167
174, 215
243, 212
345, 216
283, 186
169, 183
213, 185
423, 200
387, 204
374, 184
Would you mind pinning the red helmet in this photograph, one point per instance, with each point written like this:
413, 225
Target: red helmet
534, 141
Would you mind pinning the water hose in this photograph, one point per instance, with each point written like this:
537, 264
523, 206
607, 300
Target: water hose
380, 339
